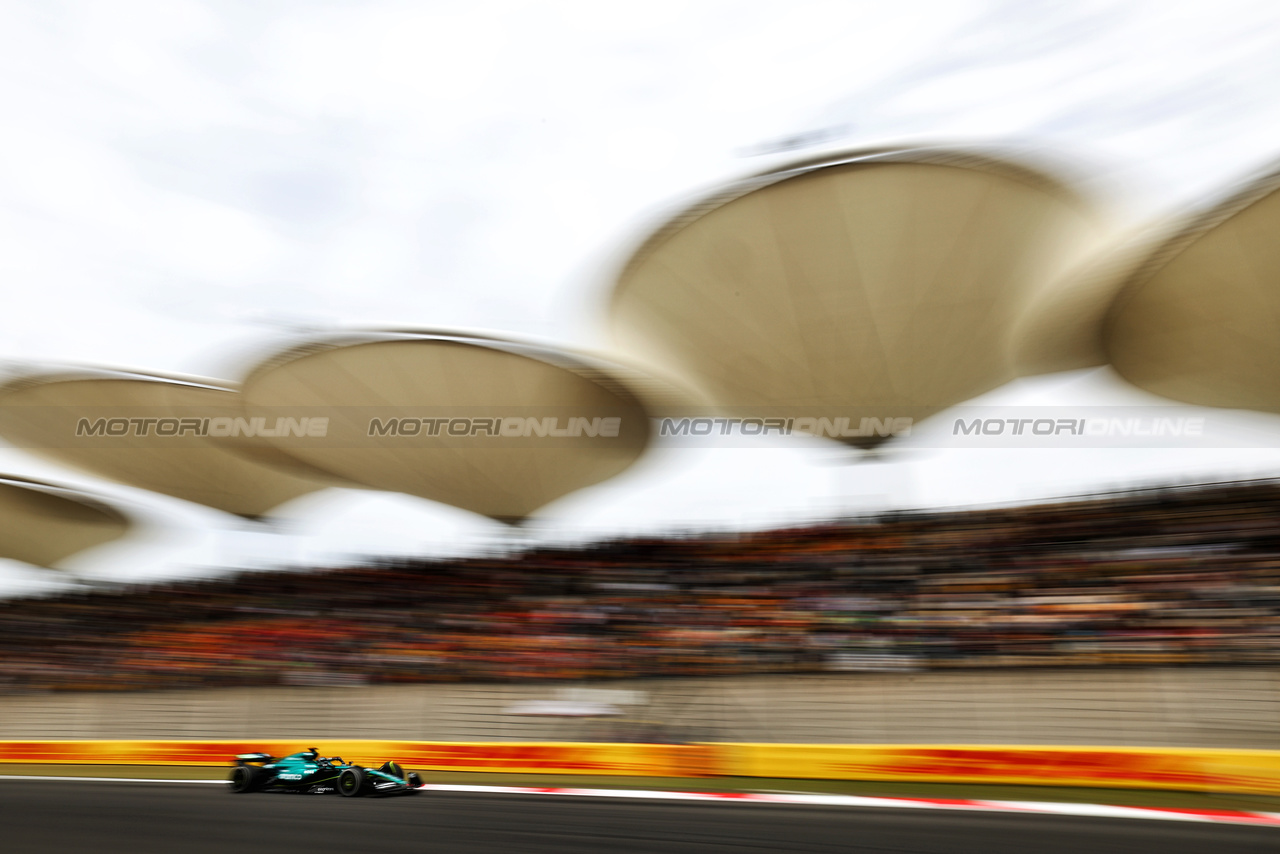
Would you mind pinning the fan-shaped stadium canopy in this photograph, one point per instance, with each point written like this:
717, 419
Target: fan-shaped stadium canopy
873, 284
489, 425
1197, 320
184, 438
1062, 330
41, 523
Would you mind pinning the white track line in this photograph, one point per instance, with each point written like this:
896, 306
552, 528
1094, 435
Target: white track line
1093, 810
1266, 819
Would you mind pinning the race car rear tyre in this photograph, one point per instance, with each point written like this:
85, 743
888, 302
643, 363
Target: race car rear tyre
244, 778
350, 782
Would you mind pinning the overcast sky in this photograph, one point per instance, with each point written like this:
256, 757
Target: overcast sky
182, 184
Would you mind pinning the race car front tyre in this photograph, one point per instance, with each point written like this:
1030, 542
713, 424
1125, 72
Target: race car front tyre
244, 778
350, 782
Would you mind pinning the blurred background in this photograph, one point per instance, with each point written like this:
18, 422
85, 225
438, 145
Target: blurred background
187, 188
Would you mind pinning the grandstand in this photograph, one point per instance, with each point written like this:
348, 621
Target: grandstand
1171, 577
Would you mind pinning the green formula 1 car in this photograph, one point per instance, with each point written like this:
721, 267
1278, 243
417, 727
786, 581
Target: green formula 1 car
310, 773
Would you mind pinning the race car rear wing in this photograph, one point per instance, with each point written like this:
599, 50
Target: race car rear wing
244, 758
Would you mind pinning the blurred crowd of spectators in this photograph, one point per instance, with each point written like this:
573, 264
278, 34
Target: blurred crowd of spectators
1163, 577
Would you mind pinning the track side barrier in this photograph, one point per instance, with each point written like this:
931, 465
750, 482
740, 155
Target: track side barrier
634, 760
1196, 769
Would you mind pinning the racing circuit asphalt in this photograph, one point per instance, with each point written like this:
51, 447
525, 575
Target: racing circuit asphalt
56, 816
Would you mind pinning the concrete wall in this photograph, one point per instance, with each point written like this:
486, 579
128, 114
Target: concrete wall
1180, 707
